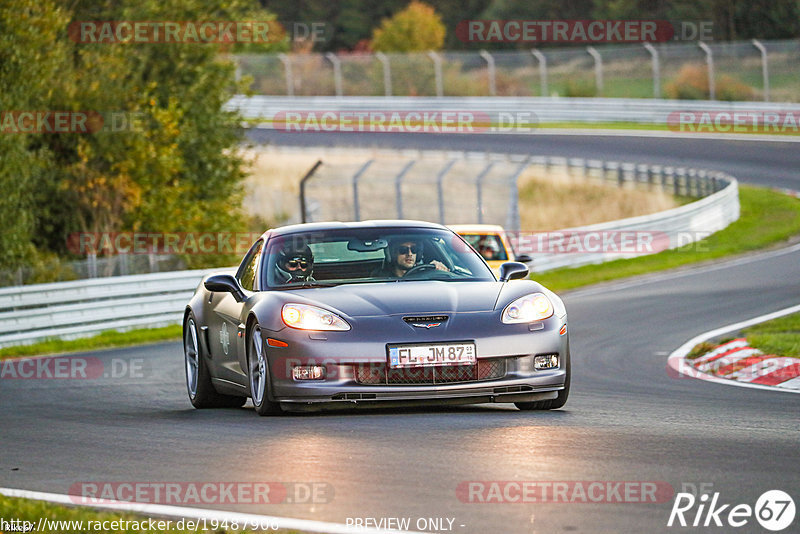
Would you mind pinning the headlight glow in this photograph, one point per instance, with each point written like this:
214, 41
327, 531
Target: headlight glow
533, 307
305, 317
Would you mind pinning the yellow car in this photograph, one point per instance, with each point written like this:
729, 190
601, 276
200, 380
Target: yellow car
491, 242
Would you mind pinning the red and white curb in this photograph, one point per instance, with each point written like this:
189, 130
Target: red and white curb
735, 363
252, 521
736, 360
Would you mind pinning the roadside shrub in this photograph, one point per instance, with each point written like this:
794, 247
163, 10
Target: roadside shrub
577, 87
691, 83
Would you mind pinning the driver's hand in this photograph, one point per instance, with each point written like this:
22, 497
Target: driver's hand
439, 265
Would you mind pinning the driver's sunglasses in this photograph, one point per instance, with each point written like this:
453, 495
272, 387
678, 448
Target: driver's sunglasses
405, 250
295, 263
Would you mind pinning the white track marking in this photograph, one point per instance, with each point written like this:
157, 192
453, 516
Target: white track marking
794, 383
199, 513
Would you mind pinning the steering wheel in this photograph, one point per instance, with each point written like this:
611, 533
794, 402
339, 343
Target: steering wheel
420, 269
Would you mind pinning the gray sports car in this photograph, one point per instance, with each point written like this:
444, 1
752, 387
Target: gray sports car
376, 313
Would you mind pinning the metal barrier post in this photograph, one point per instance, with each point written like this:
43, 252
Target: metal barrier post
479, 189
287, 67
387, 73
337, 72
309, 174
764, 67
710, 64
356, 176
437, 67
598, 68
490, 67
542, 69
440, 187
514, 220
656, 70
398, 187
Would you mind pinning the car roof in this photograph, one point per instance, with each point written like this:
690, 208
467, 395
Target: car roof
339, 225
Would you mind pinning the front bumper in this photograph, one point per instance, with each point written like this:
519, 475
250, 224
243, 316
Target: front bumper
345, 356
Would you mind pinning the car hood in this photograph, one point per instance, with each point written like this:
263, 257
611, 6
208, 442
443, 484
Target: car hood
406, 298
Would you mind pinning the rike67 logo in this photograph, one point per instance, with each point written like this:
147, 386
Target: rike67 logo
774, 510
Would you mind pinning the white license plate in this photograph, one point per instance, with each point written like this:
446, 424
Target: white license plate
430, 355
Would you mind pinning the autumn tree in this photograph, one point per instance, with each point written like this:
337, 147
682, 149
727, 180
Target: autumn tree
414, 29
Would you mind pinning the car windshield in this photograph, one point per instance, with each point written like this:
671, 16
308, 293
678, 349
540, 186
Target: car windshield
369, 255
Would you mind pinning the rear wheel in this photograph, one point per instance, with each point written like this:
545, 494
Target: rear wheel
550, 404
198, 380
258, 371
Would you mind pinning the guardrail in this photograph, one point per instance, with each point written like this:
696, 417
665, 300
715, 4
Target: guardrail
505, 114
74, 309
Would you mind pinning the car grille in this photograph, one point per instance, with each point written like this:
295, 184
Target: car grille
379, 374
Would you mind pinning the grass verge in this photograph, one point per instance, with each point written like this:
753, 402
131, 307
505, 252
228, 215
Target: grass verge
766, 218
780, 336
86, 520
103, 340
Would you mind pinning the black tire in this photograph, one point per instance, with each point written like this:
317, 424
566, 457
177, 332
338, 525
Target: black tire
198, 380
258, 374
551, 404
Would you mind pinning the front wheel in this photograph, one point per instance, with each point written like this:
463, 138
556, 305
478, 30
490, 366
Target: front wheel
258, 370
198, 380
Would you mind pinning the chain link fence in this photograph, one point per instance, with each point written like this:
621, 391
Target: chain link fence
92, 267
752, 70
467, 187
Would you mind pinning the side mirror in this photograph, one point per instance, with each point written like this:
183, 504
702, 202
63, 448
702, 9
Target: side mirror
225, 283
513, 270
524, 258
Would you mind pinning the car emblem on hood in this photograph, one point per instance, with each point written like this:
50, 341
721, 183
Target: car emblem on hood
427, 322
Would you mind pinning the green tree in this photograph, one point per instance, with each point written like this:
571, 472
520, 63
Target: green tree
416, 28
172, 167
31, 56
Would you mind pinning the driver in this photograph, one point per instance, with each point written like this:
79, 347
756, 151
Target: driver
295, 263
404, 255
488, 249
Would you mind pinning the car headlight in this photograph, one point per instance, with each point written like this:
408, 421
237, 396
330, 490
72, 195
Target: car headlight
305, 317
533, 307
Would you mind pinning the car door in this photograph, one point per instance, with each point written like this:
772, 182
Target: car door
226, 319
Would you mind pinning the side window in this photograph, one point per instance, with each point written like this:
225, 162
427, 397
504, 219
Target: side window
249, 269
